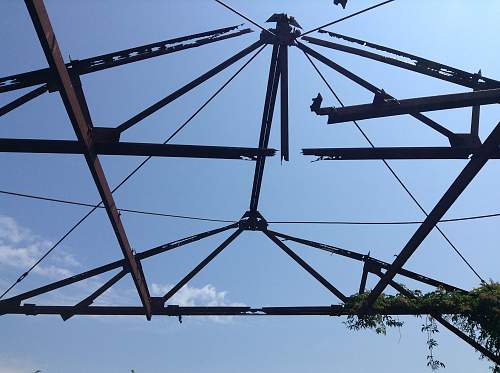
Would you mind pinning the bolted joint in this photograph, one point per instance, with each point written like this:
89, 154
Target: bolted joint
252, 221
464, 140
157, 303
105, 134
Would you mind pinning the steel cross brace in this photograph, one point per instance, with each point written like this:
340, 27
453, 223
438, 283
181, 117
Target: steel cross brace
475, 165
17, 299
281, 38
118, 58
13, 305
419, 64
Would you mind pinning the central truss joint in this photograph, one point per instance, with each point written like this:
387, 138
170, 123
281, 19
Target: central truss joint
285, 33
252, 221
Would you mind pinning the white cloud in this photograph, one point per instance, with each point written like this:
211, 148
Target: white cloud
20, 248
189, 296
192, 296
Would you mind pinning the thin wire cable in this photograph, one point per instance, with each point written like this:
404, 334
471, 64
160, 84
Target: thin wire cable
95, 207
189, 217
391, 170
346, 17
142, 212
244, 17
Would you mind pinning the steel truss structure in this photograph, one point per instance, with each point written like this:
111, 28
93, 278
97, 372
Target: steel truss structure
92, 141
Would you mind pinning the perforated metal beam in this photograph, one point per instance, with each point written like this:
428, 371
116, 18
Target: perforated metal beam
396, 153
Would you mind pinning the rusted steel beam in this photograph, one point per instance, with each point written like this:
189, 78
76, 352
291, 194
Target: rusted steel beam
23, 99
373, 263
133, 149
306, 266
122, 57
391, 107
418, 64
82, 129
265, 130
472, 168
188, 87
436, 152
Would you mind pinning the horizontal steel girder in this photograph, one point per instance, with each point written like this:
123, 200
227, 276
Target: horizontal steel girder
436, 152
175, 310
133, 149
390, 107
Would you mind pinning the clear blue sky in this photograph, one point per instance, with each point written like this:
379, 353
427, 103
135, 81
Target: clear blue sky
251, 271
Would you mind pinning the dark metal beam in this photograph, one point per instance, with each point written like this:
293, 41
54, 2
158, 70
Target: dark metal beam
390, 107
186, 88
92, 297
283, 65
306, 266
82, 129
23, 99
132, 149
176, 311
374, 263
265, 130
200, 266
116, 264
364, 278
122, 57
418, 64
376, 91
472, 168
435, 152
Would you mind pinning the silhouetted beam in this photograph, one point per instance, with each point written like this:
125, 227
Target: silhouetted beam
472, 168
283, 63
376, 91
374, 263
82, 129
113, 265
92, 297
22, 100
306, 266
201, 265
186, 88
420, 65
106, 61
176, 311
265, 129
133, 149
396, 153
391, 107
